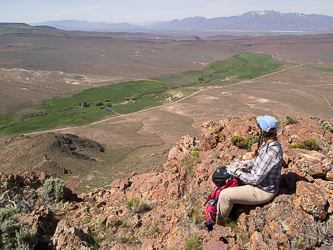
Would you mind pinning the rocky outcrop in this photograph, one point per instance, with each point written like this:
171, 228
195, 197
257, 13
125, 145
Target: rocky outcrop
67, 237
182, 151
163, 209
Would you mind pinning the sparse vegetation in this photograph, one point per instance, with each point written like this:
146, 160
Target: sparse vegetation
136, 205
290, 121
194, 215
154, 229
189, 162
309, 144
318, 68
193, 243
92, 238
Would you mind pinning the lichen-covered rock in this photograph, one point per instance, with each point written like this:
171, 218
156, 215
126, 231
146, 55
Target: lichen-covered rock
257, 242
312, 199
310, 163
210, 135
68, 237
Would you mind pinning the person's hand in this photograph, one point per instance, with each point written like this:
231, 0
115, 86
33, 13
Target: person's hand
231, 169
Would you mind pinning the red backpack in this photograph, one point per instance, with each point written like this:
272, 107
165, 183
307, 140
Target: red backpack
222, 180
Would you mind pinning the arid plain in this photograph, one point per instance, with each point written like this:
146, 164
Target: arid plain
140, 142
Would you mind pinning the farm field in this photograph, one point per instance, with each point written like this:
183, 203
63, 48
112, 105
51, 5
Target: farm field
97, 103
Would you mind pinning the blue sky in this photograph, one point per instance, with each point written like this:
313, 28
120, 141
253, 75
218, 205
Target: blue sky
136, 11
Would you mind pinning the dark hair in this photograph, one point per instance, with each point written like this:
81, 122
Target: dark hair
261, 137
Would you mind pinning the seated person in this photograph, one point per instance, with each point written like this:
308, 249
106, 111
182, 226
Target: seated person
263, 178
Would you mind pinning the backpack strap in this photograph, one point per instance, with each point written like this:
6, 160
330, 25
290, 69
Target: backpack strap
229, 183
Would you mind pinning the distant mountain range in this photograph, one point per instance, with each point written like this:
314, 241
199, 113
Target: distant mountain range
71, 25
254, 20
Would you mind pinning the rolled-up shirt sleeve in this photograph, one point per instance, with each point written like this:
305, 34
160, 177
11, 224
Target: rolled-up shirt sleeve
248, 163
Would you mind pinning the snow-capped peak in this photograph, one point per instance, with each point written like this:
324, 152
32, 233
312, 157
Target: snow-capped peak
265, 12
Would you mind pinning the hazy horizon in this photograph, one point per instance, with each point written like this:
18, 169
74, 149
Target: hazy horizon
148, 11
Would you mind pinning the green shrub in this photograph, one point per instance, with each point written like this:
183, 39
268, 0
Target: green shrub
238, 141
313, 117
13, 233
290, 121
309, 144
54, 188
193, 243
196, 154
195, 148
250, 141
246, 142
326, 126
99, 104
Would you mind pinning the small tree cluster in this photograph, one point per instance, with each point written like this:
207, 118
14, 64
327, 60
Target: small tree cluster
85, 105
99, 104
13, 233
55, 188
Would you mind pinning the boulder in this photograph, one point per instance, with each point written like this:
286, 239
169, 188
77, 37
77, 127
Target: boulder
68, 237
312, 199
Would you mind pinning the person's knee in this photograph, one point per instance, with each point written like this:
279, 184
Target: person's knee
224, 196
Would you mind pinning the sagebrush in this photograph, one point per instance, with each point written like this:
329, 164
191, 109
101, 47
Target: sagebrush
55, 188
309, 144
13, 233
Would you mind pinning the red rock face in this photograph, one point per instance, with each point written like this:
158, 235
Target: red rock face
161, 210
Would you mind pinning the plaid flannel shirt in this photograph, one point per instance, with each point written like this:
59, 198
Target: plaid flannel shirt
266, 168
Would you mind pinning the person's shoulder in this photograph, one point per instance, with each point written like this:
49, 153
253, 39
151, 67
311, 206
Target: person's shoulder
275, 146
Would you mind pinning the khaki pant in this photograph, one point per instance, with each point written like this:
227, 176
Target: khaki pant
245, 195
